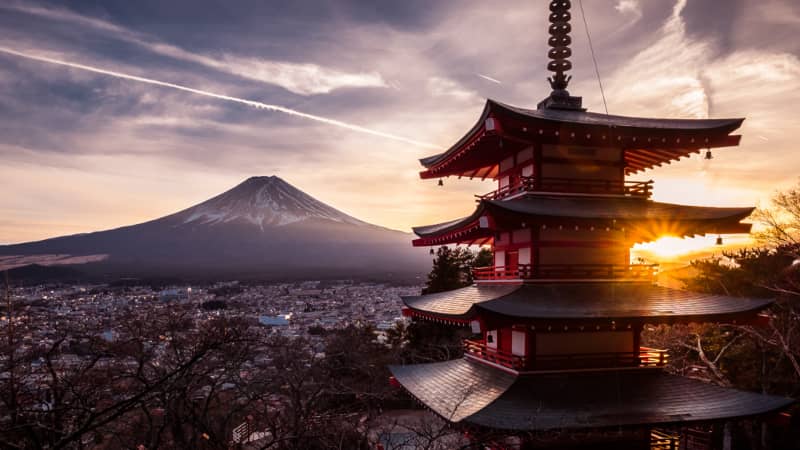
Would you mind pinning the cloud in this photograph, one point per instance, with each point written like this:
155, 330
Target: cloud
684, 77
442, 87
629, 7
302, 79
488, 78
253, 103
84, 151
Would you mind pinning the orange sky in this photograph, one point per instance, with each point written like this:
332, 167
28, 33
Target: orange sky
95, 152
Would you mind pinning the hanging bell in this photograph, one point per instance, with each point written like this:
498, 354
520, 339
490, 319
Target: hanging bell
709, 155
432, 252
441, 182
719, 240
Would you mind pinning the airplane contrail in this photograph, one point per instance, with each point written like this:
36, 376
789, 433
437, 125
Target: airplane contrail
253, 103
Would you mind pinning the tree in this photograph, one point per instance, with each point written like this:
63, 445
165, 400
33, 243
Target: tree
452, 268
764, 358
781, 222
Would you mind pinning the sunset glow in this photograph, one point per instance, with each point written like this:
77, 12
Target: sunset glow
669, 246
111, 120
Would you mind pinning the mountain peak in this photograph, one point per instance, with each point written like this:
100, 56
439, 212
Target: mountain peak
263, 179
264, 201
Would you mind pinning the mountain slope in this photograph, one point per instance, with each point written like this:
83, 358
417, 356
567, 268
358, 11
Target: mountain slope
265, 202
263, 226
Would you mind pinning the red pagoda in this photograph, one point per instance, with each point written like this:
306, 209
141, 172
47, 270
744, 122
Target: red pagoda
557, 319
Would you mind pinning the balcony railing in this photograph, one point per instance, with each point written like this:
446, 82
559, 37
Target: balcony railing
643, 272
573, 186
480, 350
663, 440
646, 357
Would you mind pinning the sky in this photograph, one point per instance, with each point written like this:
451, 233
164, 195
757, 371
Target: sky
115, 112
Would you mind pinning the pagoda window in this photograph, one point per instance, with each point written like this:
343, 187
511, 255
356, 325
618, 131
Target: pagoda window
527, 171
499, 258
491, 339
525, 255
518, 339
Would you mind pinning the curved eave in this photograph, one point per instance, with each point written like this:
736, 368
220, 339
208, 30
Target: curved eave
456, 304
465, 229
646, 219
648, 142
579, 303
462, 391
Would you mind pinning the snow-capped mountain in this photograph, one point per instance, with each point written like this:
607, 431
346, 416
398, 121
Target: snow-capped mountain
264, 202
263, 227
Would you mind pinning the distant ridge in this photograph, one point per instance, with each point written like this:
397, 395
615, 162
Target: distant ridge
263, 227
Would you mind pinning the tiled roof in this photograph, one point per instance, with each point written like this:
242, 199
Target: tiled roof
470, 392
583, 118
587, 300
590, 118
607, 208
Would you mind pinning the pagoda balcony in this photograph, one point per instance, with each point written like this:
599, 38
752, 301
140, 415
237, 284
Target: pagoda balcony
565, 272
479, 350
643, 189
646, 357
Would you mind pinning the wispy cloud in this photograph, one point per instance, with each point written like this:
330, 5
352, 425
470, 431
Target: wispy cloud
253, 103
629, 7
488, 78
302, 79
442, 87
82, 148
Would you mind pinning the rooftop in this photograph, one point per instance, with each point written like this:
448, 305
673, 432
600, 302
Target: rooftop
648, 142
585, 301
470, 392
645, 217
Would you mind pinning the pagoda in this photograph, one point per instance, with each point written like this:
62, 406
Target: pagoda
557, 319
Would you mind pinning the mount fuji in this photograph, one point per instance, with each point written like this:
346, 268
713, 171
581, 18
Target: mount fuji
263, 227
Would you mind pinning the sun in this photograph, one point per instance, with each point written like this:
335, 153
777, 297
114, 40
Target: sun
671, 247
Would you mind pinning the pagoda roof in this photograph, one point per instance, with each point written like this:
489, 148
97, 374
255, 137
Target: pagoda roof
653, 218
648, 141
584, 301
464, 391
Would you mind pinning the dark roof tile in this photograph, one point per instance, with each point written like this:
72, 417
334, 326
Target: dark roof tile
465, 391
588, 300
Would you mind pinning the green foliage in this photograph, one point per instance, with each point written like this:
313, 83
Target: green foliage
483, 258
745, 273
430, 342
452, 268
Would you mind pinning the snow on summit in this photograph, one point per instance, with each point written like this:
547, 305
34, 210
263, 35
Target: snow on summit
264, 202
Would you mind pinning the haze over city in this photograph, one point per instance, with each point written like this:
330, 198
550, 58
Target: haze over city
96, 135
